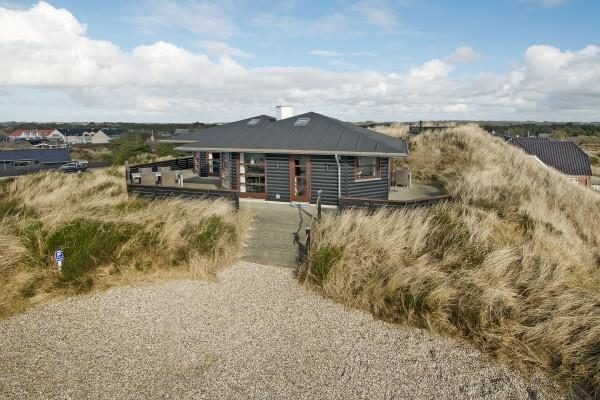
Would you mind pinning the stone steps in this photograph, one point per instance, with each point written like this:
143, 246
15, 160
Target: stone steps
277, 235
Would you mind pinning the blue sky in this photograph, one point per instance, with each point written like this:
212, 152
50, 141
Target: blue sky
355, 59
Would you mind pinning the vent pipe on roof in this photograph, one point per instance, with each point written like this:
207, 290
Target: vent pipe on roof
284, 112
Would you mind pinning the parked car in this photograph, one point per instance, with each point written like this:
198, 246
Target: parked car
74, 166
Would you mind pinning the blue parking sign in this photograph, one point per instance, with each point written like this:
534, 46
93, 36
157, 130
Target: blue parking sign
59, 256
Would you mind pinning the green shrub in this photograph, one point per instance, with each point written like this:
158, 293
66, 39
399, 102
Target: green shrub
205, 237
322, 260
88, 244
165, 149
595, 160
127, 147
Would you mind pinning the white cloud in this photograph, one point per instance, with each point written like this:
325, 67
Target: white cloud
326, 25
354, 19
219, 49
546, 3
376, 13
337, 54
47, 50
464, 55
12, 5
325, 53
206, 18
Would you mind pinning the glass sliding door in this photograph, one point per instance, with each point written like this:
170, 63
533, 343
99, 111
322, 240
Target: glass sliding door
252, 177
226, 163
213, 161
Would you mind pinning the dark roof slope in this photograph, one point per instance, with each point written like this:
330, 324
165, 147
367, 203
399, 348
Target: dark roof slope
46, 156
320, 135
564, 156
237, 128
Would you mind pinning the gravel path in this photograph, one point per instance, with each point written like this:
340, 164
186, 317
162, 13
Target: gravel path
255, 334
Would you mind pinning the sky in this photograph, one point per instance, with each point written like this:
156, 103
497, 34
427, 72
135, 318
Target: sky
357, 60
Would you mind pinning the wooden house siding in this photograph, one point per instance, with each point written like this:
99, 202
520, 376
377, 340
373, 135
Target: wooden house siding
278, 177
324, 177
371, 188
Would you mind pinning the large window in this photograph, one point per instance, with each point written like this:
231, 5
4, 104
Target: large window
367, 168
252, 174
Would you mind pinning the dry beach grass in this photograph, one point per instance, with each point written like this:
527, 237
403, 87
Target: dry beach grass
512, 265
108, 238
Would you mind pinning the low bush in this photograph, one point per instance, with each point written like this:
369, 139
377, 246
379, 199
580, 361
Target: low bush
89, 244
205, 237
322, 260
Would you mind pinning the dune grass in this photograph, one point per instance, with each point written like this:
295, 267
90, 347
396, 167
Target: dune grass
512, 265
108, 238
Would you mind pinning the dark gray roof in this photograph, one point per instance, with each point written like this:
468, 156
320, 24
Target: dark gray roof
564, 156
45, 156
321, 135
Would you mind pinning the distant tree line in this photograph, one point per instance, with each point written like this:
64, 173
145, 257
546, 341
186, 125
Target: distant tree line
124, 126
547, 128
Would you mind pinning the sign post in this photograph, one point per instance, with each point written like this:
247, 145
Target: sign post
59, 256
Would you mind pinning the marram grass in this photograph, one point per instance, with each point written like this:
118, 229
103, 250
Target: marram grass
108, 237
512, 265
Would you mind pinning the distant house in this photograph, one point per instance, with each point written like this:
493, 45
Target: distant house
21, 162
112, 133
596, 183
565, 157
179, 132
32, 135
56, 136
85, 136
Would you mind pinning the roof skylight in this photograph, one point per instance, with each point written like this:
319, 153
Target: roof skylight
254, 121
302, 122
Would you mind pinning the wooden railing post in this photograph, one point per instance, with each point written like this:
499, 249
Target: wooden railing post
127, 173
319, 192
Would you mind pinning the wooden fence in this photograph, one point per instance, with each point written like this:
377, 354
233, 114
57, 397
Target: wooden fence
175, 164
371, 204
154, 192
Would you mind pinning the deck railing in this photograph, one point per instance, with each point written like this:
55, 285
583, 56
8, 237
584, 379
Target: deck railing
176, 164
159, 191
162, 192
371, 204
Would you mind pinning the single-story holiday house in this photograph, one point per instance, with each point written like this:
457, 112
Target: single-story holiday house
294, 158
563, 156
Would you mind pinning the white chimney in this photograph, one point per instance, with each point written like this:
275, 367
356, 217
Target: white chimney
284, 112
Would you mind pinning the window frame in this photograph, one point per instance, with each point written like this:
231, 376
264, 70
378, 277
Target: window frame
375, 177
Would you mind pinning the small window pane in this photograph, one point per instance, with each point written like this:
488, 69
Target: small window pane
367, 167
302, 121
